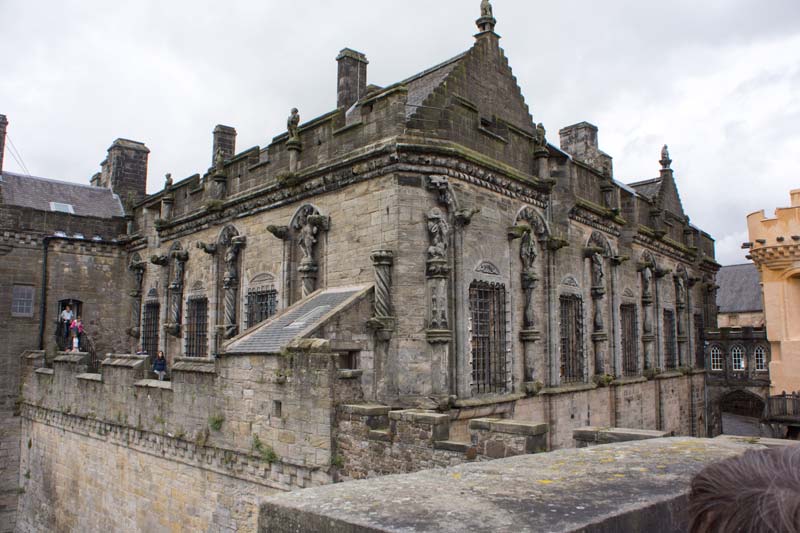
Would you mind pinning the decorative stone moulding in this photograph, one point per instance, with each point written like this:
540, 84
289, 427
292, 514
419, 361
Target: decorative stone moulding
439, 336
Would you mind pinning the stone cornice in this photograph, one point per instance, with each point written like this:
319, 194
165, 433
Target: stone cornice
226, 462
778, 257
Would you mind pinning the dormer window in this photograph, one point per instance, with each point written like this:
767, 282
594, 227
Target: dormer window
62, 208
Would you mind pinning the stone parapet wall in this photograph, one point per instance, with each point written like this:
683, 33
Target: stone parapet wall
594, 436
372, 440
221, 434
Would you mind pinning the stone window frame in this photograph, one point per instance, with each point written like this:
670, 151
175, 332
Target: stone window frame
193, 300
716, 358
738, 349
265, 282
582, 375
494, 281
22, 305
764, 353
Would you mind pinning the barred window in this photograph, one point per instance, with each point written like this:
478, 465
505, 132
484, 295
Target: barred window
197, 328
487, 302
670, 346
262, 303
571, 330
737, 358
716, 358
150, 327
630, 362
22, 300
761, 359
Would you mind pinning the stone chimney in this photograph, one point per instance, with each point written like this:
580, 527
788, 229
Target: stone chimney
225, 140
580, 141
3, 126
352, 83
125, 171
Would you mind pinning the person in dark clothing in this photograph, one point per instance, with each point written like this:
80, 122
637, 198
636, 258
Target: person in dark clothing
160, 365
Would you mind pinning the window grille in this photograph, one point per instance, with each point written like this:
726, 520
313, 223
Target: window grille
716, 358
571, 339
700, 341
262, 303
197, 328
761, 359
737, 358
487, 302
150, 327
670, 346
22, 300
630, 361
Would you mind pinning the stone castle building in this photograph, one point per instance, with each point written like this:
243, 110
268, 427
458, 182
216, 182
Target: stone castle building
353, 299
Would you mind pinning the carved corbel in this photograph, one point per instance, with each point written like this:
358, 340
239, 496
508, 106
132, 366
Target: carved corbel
617, 260
464, 216
160, 260
661, 272
322, 222
210, 249
279, 232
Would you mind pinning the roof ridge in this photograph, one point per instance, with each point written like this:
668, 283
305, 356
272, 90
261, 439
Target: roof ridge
432, 69
51, 180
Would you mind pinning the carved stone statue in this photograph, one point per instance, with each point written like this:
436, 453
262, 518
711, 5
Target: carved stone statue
665, 153
540, 140
438, 232
292, 124
597, 270
168, 180
647, 277
527, 251
138, 268
307, 239
680, 289
231, 256
486, 9
219, 161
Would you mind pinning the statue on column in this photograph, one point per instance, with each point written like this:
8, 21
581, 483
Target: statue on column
438, 232
292, 125
307, 240
647, 277
486, 9
527, 253
597, 270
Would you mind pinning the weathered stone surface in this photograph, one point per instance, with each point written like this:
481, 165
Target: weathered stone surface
633, 486
591, 436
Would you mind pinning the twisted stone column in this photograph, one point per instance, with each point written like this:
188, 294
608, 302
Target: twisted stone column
308, 277
382, 260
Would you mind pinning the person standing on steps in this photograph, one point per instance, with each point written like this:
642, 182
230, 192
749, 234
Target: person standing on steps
64, 322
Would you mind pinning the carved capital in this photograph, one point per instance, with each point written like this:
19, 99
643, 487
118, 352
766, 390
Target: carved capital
438, 268
382, 257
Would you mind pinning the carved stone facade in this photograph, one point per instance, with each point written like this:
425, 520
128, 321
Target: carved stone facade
505, 276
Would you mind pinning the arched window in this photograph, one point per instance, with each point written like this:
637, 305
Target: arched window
716, 358
761, 359
571, 337
737, 358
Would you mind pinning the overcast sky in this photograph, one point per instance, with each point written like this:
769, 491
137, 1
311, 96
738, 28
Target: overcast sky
717, 80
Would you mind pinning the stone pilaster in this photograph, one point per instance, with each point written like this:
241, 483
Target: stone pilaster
383, 319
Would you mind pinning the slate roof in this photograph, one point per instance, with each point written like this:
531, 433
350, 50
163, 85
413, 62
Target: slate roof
295, 322
421, 85
37, 193
739, 289
647, 188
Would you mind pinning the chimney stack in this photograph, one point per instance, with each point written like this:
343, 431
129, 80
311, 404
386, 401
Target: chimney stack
225, 140
3, 126
125, 171
580, 141
352, 77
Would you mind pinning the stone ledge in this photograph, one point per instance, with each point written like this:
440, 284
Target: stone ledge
510, 427
601, 435
154, 384
365, 409
349, 374
200, 365
420, 417
488, 400
124, 360
620, 382
44, 371
380, 434
452, 446
34, 354
763, 441
669, 374
631, 486
72, 357
90, 377
566, 389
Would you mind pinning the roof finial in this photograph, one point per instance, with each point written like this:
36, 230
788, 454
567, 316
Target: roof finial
487, 20
665, 160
